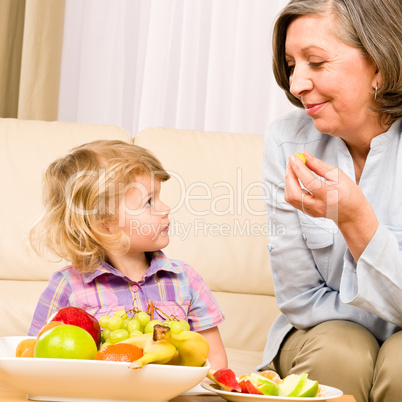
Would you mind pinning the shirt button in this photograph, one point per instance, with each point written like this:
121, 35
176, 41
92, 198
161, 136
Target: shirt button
135, 288
304, 237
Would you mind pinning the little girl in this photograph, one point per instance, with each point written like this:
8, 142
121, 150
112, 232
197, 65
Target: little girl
104, 215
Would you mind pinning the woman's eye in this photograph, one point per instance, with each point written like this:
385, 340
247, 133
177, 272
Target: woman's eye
290, 69
148, 203
316, 64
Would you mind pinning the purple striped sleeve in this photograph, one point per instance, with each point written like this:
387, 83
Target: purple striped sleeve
55, 296
204, 312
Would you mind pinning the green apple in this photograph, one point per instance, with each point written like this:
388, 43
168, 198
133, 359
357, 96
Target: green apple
66, 342
265, 385
309, 389
269, 388
298, 385
291, 385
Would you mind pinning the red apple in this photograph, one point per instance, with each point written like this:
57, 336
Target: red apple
79, 317
225, 378
248, 385
243, 386
252, 389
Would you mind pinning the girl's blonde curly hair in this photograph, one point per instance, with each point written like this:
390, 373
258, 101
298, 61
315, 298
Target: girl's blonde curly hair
81, 193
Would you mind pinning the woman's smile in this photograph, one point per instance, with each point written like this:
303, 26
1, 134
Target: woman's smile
312, 108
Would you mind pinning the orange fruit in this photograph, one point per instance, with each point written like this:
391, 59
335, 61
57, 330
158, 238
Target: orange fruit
119, 352
29, 352
321, 391
271, 375
48, 326
24, 345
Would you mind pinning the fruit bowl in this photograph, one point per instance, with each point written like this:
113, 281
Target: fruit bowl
79, 380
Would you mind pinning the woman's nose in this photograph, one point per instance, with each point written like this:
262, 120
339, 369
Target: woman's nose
300, 82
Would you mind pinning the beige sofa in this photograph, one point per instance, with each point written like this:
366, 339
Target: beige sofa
217, 221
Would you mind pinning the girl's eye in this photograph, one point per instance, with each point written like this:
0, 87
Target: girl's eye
148, 203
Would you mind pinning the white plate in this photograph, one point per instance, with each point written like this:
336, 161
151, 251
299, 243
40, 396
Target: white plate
71, 380
239, 397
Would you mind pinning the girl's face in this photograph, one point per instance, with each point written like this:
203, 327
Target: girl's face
334, 81
143, 217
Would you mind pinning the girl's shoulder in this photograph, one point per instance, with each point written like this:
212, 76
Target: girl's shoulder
179, 267
67, 273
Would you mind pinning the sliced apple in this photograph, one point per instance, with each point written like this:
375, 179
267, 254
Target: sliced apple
309, 389
292, 385
257, 384
225, 378
265, 385
243, 386
248, 386
269, 388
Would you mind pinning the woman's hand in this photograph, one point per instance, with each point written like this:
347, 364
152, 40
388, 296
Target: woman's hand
331, 194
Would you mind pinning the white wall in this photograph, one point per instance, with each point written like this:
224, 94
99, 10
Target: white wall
196, 64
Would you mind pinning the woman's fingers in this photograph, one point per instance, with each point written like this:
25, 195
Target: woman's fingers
307, 178
307, 190
294, 193
322, 169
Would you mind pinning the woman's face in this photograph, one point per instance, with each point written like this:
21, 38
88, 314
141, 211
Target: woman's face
334, 81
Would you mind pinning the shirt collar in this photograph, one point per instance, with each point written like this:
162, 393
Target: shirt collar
159, 262
388, 136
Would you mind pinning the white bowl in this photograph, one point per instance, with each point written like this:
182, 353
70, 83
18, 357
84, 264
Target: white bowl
90, 380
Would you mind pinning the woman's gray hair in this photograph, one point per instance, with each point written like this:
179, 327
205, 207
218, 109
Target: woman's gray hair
373, 26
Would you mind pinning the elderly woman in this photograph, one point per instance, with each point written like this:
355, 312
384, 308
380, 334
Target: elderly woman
337, 266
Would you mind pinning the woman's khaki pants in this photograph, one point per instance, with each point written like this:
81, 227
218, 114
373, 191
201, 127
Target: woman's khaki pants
345, 355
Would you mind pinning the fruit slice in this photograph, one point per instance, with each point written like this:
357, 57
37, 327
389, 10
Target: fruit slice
292, 385
269, 388
243, 385
321, 391
251, 387
225, 378
23, 346
264, 385
271, 375
309, 389
302, 157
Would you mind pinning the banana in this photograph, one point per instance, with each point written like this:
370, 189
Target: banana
158, 352
193, 348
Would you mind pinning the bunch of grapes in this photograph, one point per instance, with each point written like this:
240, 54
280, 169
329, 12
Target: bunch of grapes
121, 326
